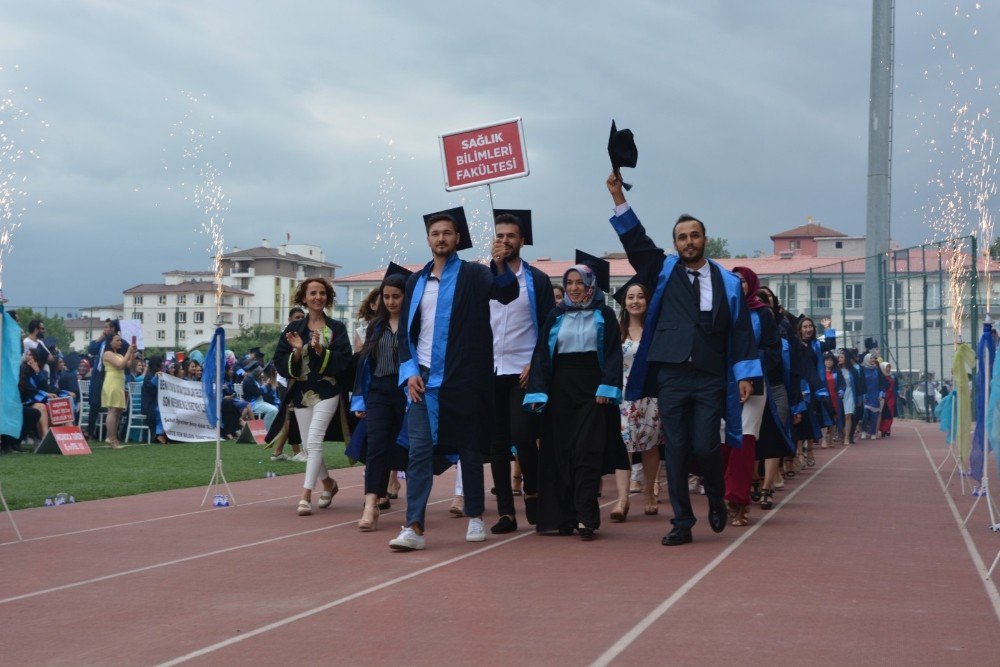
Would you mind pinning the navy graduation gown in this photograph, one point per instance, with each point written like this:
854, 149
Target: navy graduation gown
459, 390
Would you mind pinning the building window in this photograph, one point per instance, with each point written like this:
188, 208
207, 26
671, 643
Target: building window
161, 300
821, 295
240, 320
360, 294
839, 244
787, 296
182, 318
895, 325
852, 296
895, 293
161, 318
199, 299
181, 335
182, 299
934, 323
240, 301
199, 317
136, 315
794, 244
932, 295
244, 283
161, 334
136, 300
199, 332
853, 326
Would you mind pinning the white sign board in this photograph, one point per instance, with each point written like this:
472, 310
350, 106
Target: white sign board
130, 329
182, 410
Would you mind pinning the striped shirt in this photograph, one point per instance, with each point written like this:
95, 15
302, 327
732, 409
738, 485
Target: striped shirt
387, 354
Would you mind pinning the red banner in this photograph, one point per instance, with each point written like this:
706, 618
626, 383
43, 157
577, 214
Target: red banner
60, 411
257, 430
486, 154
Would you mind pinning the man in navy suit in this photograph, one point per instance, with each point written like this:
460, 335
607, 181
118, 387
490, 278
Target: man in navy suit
697, 335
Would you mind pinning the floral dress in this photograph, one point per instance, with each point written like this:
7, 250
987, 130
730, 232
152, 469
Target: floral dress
640, 419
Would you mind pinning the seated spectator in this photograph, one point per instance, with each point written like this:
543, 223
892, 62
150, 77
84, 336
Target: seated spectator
138, 370
253, 393
150, 399
33, 384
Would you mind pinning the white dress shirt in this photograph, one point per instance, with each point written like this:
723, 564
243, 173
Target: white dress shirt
428, 310
705, 283
513, 331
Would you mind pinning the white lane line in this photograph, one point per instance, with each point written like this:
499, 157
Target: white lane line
208, 554
991, 589
157, 518
347, 598
623, 643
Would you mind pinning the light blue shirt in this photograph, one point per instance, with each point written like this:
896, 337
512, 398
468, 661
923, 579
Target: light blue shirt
577, 333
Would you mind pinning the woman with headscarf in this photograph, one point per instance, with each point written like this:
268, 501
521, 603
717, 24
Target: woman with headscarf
576, 380
889, 408
874, 396
740, 462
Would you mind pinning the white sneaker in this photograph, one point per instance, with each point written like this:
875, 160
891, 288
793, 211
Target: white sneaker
300, 457
279, 457
408, 540
476, 532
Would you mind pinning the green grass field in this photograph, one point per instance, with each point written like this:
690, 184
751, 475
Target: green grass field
27, 479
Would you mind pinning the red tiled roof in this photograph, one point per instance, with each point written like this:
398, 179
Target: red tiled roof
903, 261
809, 231
184, 288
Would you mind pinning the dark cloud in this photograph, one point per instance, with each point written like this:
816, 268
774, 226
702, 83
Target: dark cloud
750, 115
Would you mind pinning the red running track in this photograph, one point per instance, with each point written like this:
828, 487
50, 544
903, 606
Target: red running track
862, 561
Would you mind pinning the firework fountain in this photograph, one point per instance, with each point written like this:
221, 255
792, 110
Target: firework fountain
200, 184
389, 213
17, 129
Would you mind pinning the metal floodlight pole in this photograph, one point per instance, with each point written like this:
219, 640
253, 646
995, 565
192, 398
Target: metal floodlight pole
879, 166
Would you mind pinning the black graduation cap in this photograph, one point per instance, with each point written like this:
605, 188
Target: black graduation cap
397, 270
523, 216
251, 367
622, 151
622, 291
456, 215
51, 342
600, 267
41, 355
255, 351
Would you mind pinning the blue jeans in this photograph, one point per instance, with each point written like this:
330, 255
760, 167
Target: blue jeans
420, 471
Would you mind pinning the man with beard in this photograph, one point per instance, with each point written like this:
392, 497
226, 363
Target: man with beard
697, 336
445, 366
515, 332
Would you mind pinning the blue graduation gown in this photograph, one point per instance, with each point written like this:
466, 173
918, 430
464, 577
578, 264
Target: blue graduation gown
460, 387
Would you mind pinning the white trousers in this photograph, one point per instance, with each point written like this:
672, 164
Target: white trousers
312, 426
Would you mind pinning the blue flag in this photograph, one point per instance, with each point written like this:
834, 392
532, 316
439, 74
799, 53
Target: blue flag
216, 349
11, 415
986, 356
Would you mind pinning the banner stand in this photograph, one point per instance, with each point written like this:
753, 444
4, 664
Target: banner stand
952, 456
6, 509
217, 474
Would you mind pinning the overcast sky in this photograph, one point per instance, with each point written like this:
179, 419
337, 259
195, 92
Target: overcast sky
750, 115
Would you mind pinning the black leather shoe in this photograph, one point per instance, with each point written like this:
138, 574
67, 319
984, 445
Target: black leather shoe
586, 534
717, 517
506, 524
385, 504
531, 510
676, 537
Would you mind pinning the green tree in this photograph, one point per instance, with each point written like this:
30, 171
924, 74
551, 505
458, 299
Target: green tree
264, 336
55, 327
995, 249
717, 248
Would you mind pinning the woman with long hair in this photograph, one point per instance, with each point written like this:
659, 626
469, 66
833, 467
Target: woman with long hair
367, 311
576, 379
817, 417
785, 405
378, 398
310, 354
640, 420
851, 389
113, 390
830, 374
33, 385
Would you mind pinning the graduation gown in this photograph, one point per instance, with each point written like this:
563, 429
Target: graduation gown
459, 389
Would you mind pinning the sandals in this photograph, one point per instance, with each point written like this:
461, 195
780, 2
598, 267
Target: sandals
620, 512
755, 491
742, 516
767, 499
369, 519
651, 506
326, 498
304, 508
516, 486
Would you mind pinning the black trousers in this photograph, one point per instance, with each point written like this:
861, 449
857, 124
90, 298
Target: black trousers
691, 406
386, 405
514, 426
96, 384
